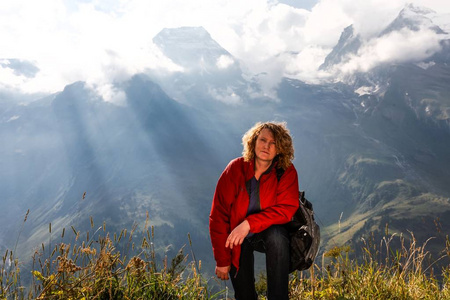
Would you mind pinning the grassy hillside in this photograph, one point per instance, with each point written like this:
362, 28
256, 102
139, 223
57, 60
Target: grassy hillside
388, 196
126, 265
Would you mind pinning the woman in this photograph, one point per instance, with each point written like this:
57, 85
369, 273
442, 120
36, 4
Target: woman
249, 207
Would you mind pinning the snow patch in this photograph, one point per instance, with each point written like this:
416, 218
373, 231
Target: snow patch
13, 118
425, 65
367, 90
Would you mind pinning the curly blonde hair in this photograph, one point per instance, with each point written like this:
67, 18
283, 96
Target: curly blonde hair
283, 142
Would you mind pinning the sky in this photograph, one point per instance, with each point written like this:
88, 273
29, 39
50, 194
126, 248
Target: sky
102, 42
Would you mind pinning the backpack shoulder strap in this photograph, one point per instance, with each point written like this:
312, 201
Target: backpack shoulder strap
280, 172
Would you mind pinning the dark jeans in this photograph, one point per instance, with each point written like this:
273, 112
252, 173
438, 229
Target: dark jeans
274, 242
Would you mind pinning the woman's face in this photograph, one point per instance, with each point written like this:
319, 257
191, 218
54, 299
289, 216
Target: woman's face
265, 149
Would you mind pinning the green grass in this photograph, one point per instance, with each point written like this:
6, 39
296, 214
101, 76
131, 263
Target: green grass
382, 272
94, 268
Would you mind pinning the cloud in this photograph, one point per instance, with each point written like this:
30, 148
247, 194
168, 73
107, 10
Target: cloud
224, 61
88, 43
399, 46
225, 95
110, 93
106, 42
260, 37
369, 19
305, 65
20, 67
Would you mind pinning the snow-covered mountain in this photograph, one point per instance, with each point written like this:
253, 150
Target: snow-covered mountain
209, 71
413, 32
194, 49
348, 44
402, 112
413, 18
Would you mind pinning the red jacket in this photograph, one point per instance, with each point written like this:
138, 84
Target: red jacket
279, 201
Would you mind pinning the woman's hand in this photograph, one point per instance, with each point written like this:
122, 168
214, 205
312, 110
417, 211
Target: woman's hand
222, 272
238, 235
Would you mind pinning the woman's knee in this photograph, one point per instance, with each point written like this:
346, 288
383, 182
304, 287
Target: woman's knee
276, 235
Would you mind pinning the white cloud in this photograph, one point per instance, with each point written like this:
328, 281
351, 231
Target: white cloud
224, 61
111, 94
225, 95
104, 42
84, 44
305, 65
260, 37
369, 18
399, 46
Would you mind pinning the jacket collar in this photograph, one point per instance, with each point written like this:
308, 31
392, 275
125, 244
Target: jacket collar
271, 167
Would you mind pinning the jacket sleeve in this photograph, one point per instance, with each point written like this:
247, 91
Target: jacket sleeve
219, 218
286, 205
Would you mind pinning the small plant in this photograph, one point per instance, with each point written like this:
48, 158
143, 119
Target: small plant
95, 269
398, 274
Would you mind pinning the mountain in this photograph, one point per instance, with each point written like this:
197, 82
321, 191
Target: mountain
150, 155
371, 152
399, 178
211, 75
348, 44
199, 52
413, 18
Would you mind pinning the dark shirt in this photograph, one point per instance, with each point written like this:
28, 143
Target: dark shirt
253, 191
252, 186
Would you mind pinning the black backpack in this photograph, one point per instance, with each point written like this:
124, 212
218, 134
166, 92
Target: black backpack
304, 234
